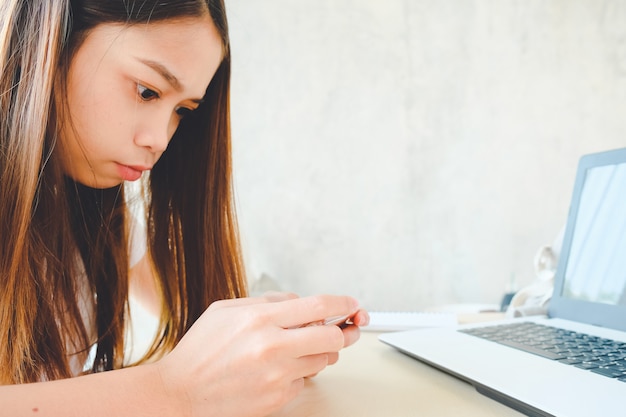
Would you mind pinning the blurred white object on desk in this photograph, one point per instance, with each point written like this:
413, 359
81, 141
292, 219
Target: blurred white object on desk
387, 321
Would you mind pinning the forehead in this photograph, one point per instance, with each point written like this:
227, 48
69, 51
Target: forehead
191, 48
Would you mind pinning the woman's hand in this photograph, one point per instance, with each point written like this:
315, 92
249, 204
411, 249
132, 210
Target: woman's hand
351, 333
248, 357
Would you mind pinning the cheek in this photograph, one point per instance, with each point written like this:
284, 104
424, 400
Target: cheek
173, 125
109, 117
100, 126
88, 108
107, 105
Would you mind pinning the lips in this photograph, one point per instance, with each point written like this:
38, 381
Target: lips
131, 173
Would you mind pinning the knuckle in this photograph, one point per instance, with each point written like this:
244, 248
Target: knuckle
264, 352
255, 316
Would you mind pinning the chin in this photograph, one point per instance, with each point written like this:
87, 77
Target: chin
99, 183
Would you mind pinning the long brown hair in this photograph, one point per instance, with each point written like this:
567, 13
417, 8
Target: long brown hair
64, 245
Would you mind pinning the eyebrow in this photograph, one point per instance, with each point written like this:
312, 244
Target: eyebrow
167, 75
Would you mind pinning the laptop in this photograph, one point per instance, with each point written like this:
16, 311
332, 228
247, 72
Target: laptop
575, 365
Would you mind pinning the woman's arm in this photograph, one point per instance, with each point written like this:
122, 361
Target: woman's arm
137, 391
245, 357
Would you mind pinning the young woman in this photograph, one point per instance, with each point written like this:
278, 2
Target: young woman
95, 94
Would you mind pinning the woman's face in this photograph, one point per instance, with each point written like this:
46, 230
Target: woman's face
128, 88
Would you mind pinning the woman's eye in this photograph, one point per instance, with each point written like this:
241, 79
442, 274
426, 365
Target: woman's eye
183, 111
146, 94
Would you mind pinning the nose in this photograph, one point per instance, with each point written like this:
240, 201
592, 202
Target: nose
155, 134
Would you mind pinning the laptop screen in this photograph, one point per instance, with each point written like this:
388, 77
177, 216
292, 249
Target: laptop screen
598, 247
590, 283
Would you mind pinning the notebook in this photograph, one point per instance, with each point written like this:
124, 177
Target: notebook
576, 365
385, 321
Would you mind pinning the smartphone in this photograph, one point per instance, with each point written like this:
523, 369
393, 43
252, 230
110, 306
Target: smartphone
341, 321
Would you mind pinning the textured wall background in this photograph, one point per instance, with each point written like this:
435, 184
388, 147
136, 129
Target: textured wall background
416, 152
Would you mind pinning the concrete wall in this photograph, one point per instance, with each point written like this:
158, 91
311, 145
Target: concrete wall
416, 152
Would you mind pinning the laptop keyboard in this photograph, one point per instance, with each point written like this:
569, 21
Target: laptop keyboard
603, 356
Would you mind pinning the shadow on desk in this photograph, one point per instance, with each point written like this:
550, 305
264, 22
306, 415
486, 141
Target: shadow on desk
373, 379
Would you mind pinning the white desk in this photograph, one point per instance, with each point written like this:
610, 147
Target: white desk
373, 379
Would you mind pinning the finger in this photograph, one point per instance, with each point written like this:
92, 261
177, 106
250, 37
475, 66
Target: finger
333, 357
269, 297
350, 335
309, 366
312, 309
361, 318
314, 340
